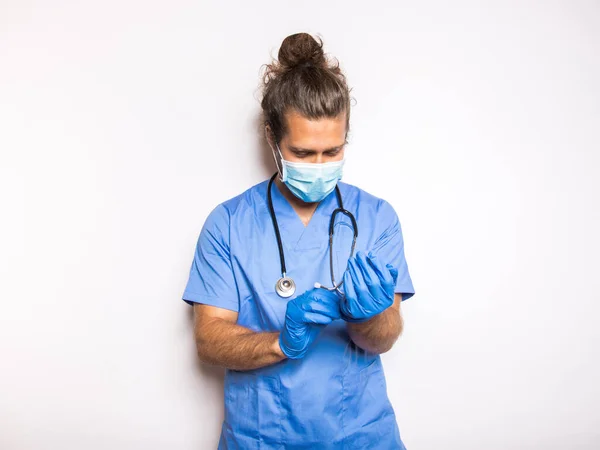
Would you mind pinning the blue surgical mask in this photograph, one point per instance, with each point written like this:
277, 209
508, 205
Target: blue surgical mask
310, 182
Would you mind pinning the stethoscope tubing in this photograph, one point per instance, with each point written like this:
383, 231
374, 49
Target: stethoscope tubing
285, 286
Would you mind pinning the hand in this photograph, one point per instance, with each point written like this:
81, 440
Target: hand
305, 316
368, 286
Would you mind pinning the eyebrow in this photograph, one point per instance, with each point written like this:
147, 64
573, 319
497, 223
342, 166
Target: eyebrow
307, 150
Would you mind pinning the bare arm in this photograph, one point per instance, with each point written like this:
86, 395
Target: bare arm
379, 334
221, 342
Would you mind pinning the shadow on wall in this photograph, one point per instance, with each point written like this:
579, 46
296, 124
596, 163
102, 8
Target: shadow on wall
211, 377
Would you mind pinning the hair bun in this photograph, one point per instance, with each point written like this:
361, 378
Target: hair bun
301, 48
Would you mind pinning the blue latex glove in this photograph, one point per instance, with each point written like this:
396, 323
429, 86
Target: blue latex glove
368, 286
305, 316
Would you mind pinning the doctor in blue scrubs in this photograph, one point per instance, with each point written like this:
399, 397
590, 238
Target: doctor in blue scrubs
296, 306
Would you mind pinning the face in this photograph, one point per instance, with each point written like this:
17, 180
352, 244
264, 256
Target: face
313, 141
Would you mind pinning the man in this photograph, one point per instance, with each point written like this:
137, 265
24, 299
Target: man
303, 364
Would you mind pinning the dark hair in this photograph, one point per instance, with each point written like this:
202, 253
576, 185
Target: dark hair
303, 80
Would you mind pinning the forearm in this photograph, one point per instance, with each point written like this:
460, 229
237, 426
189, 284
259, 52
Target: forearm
236, 347
378, 334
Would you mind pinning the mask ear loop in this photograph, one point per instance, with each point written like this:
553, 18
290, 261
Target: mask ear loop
278, 164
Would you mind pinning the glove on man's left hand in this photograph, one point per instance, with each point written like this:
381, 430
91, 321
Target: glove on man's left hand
368, 286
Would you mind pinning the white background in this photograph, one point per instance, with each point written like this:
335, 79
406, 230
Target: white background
123, 123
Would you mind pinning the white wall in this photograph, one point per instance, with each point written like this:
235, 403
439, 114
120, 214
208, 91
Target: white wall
123, 123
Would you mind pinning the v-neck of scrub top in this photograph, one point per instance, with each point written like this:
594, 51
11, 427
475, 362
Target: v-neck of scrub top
294, 234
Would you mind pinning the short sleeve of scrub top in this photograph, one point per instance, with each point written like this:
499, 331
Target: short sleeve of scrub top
389, 247
211, 279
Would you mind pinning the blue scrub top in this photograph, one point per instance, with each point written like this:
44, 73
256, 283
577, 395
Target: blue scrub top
335, 397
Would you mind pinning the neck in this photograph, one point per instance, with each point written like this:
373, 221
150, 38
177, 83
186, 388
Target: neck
304, 210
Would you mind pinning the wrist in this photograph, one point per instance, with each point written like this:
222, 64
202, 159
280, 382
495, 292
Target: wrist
358, 320
353, 320
289, 350
276, 346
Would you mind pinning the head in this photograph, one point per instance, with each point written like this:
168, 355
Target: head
306, 103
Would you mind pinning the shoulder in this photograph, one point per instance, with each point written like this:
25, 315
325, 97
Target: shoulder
366, 203
249, 199
222, 215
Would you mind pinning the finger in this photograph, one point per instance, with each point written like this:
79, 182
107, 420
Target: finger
328, 309
380, 268
357, 276
317, 318
350, 297
360, 300
383, 273
326, 296
364, 298
393, 272
372, 280
331, 301
323, 301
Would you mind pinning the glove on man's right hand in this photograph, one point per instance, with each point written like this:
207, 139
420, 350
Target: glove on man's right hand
305, 316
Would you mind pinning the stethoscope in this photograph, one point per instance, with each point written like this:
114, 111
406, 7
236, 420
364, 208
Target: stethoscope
285, 286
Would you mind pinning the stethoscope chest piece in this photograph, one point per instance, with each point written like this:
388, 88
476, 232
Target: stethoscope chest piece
285, 287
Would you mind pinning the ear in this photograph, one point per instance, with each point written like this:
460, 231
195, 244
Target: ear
271, 142
269, 134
